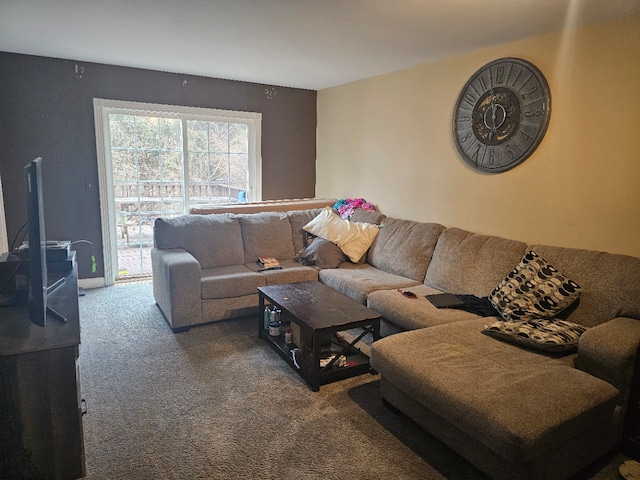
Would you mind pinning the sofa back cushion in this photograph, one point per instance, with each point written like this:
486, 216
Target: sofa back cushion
404, 247
298, 219
367, 216
214, 240
266, 234
610, 282
469, 263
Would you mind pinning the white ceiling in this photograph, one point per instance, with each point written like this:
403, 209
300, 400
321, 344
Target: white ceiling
311, 44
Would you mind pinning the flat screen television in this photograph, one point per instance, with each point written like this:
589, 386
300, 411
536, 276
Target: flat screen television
37, 243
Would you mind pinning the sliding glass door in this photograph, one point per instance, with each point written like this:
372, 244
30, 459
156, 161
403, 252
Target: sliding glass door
157, 161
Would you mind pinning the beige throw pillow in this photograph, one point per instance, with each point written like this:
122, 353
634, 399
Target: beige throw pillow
353, 238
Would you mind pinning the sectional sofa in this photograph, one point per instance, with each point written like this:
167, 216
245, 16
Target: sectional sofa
516, 402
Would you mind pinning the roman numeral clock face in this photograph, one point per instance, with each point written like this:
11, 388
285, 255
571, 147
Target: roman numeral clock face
501, 115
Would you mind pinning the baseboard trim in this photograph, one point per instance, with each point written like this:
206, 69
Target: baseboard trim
88, 283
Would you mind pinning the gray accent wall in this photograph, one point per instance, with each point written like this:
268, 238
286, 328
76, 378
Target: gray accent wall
46, 110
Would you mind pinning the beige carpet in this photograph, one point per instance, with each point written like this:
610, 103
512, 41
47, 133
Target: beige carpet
216, 402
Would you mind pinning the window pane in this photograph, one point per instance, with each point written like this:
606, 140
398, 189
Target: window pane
198, 167
149, 165
147, 132
199, 192
239, 174
122, 131
198, 136
218, 137
171, 190
171, 163
171, 134
219, 168
238, 133
124, 164
172, 207
219, 193
225, 166
148, 207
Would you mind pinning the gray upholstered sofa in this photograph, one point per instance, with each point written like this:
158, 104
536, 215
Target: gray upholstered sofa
512, 411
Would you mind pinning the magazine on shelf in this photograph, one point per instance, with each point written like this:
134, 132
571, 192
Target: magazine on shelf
269, 263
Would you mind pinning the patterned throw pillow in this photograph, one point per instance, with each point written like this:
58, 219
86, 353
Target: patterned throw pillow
547, 334
534, 289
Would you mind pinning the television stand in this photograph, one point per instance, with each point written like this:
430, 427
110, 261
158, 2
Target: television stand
40, 394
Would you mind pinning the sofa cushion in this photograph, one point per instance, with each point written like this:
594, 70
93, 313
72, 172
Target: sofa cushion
412, 313
290, 271
322, 253
610, 282
404, 247
353, 238
367, 216
230, 281
214, 240
357, 281
547, 334
298, 219
470, 263
266, 234
534, 288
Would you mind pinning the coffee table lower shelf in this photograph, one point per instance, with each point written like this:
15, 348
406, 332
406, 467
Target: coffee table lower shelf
302, 358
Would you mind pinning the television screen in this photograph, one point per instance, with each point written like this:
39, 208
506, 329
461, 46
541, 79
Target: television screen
37, 244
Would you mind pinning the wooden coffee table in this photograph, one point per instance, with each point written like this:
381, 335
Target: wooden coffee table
319, 312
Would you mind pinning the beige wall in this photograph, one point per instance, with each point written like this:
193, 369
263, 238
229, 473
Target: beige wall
388, 139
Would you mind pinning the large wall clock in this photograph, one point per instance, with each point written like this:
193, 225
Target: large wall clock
501, 115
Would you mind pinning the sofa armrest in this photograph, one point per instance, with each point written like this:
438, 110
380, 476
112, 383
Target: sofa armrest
608, 351
177, 286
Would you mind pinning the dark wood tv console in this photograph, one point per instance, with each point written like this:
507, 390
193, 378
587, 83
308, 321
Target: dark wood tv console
40, 405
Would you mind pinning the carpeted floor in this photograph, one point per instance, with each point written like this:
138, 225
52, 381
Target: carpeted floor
216, 402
